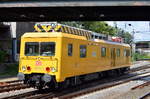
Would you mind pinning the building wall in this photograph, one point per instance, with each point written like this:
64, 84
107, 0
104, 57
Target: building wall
22, 27
6, 35
143, 47
5, 41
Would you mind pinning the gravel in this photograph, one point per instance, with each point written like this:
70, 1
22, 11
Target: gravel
16, 92
123, 91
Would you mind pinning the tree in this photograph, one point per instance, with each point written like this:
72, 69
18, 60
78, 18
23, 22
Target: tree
73, 24
125, 35
101, 27
95, 26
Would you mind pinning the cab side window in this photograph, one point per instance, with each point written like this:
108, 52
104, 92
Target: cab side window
103, 51
70, 49
83, 51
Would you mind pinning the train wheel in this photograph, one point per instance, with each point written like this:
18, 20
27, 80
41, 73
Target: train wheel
122, 71
119, 72
101, 75
115, 73
110, 73
105, 74
51, 85
63, 85
39, 86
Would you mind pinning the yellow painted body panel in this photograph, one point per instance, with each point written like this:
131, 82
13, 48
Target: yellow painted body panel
74, 65
69, 66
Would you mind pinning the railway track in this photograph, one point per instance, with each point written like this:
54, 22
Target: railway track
100, 87
139, 68
81, 89
146, 96
10, 82
70, 92
11, 86
141, 86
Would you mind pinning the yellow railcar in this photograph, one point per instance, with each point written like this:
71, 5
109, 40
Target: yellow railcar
54, 57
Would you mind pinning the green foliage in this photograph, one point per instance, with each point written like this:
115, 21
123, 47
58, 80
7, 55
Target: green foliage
101, 27
2, 56
95, 26
73, 24
137, 56
11, 70
125, 35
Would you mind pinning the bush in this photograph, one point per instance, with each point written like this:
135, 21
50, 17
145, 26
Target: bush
2, 56
137, 56
10, 70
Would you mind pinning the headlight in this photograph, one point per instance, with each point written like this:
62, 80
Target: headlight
23, 68
53, 69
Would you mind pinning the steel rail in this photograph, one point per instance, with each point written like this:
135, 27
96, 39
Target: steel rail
11, 88
10, 85
139, 68
65, 94
14, 81
146, 96
84, 88
100, 87
22, 95
141, 85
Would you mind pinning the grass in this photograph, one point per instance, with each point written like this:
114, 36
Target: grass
11, 70
137, 56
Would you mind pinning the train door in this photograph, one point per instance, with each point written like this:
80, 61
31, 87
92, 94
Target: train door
127, 56
113, 57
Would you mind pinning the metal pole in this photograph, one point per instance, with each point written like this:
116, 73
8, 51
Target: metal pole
14, 49
149, 26
133, 43
14, 41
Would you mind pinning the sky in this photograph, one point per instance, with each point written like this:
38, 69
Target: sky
140, 28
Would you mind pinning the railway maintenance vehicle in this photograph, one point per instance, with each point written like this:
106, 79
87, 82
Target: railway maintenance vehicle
63, 55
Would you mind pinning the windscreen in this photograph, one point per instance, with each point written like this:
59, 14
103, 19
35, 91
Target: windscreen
47, 49
32, 49
40, 48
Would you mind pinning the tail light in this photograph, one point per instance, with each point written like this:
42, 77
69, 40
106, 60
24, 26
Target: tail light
28, 68
48, 69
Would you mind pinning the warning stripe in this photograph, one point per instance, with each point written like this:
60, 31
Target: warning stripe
42, 28
57, 28
37, 28
63, 29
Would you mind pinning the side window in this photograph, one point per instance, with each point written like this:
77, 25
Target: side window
103, 51
125, 53
128, 52
83, 51
118, 52
70, 49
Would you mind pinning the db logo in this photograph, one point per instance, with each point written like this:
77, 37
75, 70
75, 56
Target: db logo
38, 63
